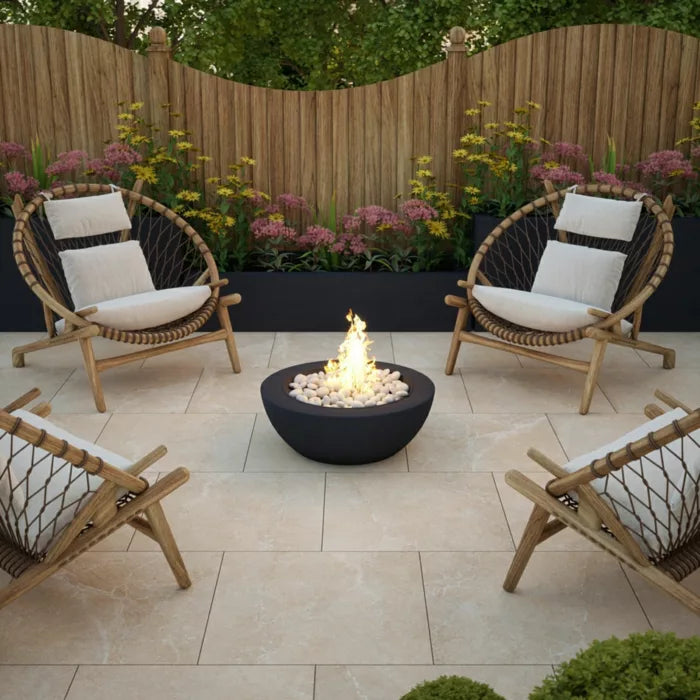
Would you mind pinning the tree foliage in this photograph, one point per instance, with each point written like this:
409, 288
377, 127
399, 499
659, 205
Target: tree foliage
321, 44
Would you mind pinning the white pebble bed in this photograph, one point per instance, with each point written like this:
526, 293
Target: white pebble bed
319, 389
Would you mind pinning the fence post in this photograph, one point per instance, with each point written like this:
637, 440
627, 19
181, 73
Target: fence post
158, 84
456, 97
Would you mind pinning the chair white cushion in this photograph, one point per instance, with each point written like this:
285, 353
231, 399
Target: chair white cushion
11, 493
43, 486
599, 216
147, 310
683, 502
579, 273
105, 272
87, 216
536, 311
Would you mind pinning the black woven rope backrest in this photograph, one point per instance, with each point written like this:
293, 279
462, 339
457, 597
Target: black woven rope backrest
173, 259
513, 258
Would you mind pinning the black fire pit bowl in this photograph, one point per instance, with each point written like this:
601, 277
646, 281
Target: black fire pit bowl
346, 435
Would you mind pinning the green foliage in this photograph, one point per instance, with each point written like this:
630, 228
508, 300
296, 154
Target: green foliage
452, 688
650, 665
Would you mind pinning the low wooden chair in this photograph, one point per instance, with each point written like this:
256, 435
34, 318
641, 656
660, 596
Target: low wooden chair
639, 501
177, 260
504, 274
59, 495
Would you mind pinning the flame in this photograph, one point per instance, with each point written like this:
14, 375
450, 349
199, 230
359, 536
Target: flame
353, 369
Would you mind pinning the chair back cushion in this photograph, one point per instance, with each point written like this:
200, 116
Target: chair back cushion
579, 273
51, 490
105, 272
11, 491
657, 497
87, 216
598, 216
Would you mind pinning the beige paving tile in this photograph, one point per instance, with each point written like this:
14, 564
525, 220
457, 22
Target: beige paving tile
518, 509
389, 682
686, 345
297, 348
616, 356
200, 442
17, 381
85, 425
481, 442
318, 607
629, 391
450, 394
663, 611
270, 453
35, 682
253, 349
111, 608
222, 391
564, 601
131, 389
245, 512
192, 682
580, 434
529, 390
430, 350
395, 512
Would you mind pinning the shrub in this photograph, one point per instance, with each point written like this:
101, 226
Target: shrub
650, 665
452, 688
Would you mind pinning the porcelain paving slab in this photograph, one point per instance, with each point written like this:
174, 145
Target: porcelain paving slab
616, 356
193, 682
398, 512
481, 442
564, 601
198, 441
629, 391
450, 394
17, 381
296, 348
221, 391
430, 350
270, 453
85, 425
686, 345
392, 682
530, 390
131, 389
252, 512
35, 682
112, 608
318, 607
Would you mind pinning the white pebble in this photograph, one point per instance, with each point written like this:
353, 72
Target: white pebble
309, 392
394, 376
370, 402
326, 400
389, 398
401, 393
299, 378
295, 392
312, 385
322, 391
314, 400
302, 398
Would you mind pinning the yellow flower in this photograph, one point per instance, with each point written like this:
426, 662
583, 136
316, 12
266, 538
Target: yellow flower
517, 136
145, 173
276, 217
248, 193
184, 146
204, 159
483, 103
470, 189
472, 112
246, 160
479, 158
176, 133
437, 228
460, 153
472, 140
512, 125
521, 110
213, 180
424, 160
686, 139
125, 115
696, 107
533, 105
676, 172
424, 173
188, 196
545, 142
136, 105
137, 139
233, 180
551, 165
492, 125
225, 191
473, 201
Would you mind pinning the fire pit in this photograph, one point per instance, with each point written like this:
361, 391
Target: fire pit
354, 410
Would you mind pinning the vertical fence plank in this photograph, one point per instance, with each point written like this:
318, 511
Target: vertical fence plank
438, 120
668, 89
373, 143
276, 139
292, 141
455, 118
421, 112
404, 116
688, 85
653, 97
388, 186
522, 73
60, 111
25, 82
603, 99
211, 128
356, 147
590, 44
243, 131
258, 136
76, 93
307, 112
341, 155
539, 83
324, 149
637, 94
228, 124
557, 84
573, 73
622, 76
38, 58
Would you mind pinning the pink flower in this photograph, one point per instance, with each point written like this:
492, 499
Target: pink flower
21, 184
67, 162
607, 178
10, 149
121, 154
317, 236
418, 210
100, 168
563, 149
667, 164
561, 175
351, 223
272, 228
375, 216
695, 152
349, 243
293, 202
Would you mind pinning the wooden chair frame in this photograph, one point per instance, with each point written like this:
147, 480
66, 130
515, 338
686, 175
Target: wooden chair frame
79, 329
143, 511
606, 329
549, 515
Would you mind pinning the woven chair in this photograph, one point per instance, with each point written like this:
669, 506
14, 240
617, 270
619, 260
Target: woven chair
176, 257
637, 498
511, 255
60, 495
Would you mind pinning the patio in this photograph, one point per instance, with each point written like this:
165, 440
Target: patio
332, 583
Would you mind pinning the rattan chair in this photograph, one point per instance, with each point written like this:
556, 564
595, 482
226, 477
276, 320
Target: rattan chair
509, 258
620, 501
59, 496
176, 257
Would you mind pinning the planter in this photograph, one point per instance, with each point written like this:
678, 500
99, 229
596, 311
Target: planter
675, 306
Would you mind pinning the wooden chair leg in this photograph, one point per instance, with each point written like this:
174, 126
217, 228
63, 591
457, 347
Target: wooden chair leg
532, 536
93, 374
592, 375
225, 320
455, 344
161, 529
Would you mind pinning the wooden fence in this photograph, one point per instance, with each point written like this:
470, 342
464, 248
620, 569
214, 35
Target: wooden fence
636, 84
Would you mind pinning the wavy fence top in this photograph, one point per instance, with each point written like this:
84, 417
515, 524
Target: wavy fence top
636, 84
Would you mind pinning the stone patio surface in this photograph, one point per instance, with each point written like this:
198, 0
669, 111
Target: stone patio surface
314, 582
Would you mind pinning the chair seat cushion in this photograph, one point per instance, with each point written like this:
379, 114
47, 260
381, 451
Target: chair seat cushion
536, 311
659, 512
47, 492
149, 309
